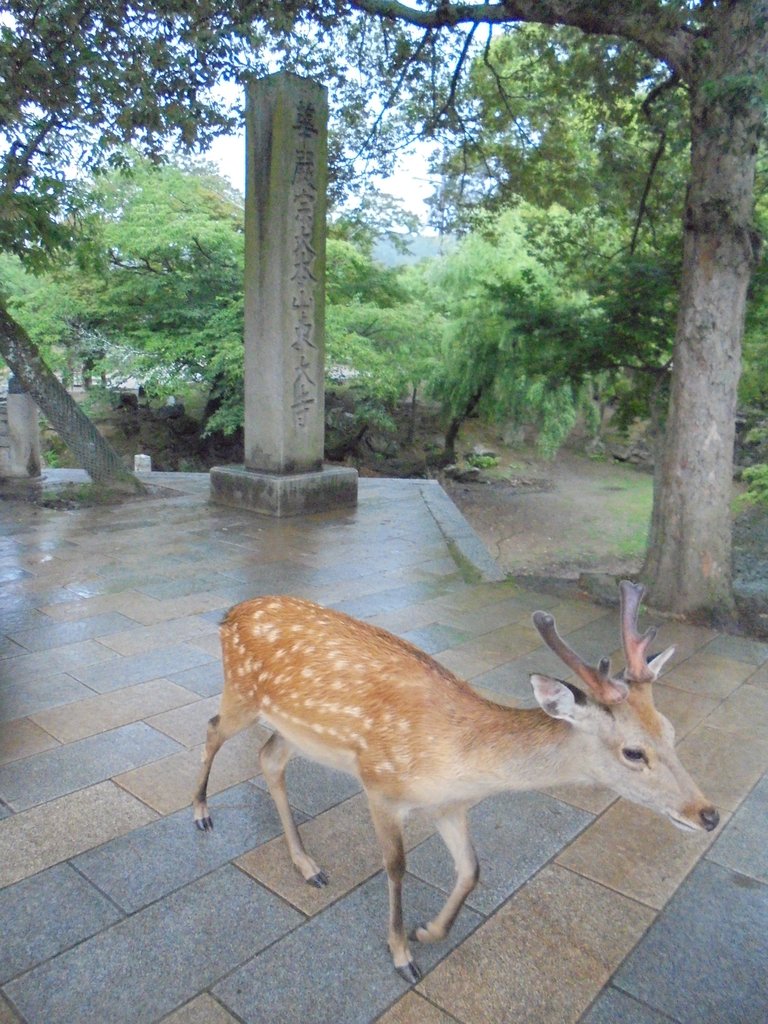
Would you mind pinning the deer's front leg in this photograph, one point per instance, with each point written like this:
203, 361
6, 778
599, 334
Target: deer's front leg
454, 829
389, 831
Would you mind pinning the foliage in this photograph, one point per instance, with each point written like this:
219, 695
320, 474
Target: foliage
756, 478
503, 309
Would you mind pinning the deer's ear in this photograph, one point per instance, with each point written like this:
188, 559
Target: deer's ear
558, 699
658, 661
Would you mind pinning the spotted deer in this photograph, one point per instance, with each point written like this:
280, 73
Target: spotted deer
355, 697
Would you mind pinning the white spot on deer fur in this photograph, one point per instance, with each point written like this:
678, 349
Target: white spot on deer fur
280, 653
316, 727
266, 701
273, 635
385, 766
368, 723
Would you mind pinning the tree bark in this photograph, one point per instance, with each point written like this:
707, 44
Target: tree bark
95, 454
688, 565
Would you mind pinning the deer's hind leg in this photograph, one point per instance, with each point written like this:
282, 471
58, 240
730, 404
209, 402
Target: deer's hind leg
273, 757
230, 720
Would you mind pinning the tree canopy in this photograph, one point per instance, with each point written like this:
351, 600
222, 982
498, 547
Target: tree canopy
81, 82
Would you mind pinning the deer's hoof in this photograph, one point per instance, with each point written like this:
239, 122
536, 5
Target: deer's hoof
320, 880
204, 824
409, 972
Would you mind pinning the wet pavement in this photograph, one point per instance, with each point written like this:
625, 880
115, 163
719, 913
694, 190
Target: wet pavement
113, 908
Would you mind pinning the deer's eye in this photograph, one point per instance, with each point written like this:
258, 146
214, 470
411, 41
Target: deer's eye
635, 755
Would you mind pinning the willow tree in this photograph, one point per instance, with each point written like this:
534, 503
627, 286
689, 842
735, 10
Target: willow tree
719, 54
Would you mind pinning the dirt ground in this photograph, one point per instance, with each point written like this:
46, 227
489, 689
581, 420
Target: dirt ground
557, 518
553, 520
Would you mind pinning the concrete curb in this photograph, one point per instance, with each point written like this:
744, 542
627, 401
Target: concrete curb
471, 555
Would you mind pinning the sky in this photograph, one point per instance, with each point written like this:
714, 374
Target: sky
411, 183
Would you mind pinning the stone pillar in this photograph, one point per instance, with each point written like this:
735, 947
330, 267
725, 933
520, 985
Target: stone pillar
285, 207
19, 435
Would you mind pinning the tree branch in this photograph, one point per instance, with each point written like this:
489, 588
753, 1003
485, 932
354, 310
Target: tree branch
661, 29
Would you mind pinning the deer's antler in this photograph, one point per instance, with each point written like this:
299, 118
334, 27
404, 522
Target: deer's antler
598, 679
635, 645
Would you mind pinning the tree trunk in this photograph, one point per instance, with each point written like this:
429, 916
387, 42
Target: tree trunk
688, 566
452, 433
94, 453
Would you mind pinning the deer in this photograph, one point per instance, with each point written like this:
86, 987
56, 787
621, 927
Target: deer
357, 698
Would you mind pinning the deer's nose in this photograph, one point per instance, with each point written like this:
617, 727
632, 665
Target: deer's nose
709, 818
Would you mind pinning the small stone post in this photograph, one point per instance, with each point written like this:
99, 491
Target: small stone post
285, 207
19, 435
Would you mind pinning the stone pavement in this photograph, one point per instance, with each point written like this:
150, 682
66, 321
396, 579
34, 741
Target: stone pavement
114, 908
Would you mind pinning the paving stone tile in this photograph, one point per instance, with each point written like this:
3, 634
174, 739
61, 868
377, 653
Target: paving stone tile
514, 835
759, 678
313, 788
347, 975
387, 600
436, 637
20, 698
119, 671
708, 675
725, 764
636, 852
613, 1006
470, 598
684, 710
703, 961
168, 785
7, 1016
5, 810
188, 724
182, 606
505, 612
512, 679
344, 844
685, 638
150, 862
594, 799
207, 680
71, 658
185, 585
9, 648
141, 639
54, 773
738, 648
745, 711
84, 607
414, 1009
20, 616
110, 710
743, 843
61, 633
22, 738
543, 957
201, 1010
597, 639
466, 664
209, 644
43, 836
140, 969
48, 913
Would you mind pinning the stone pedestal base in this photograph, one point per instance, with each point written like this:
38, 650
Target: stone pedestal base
284, 495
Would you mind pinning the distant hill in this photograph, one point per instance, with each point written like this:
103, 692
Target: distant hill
420, 247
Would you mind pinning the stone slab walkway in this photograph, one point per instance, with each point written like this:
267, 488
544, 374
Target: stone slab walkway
114, 909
